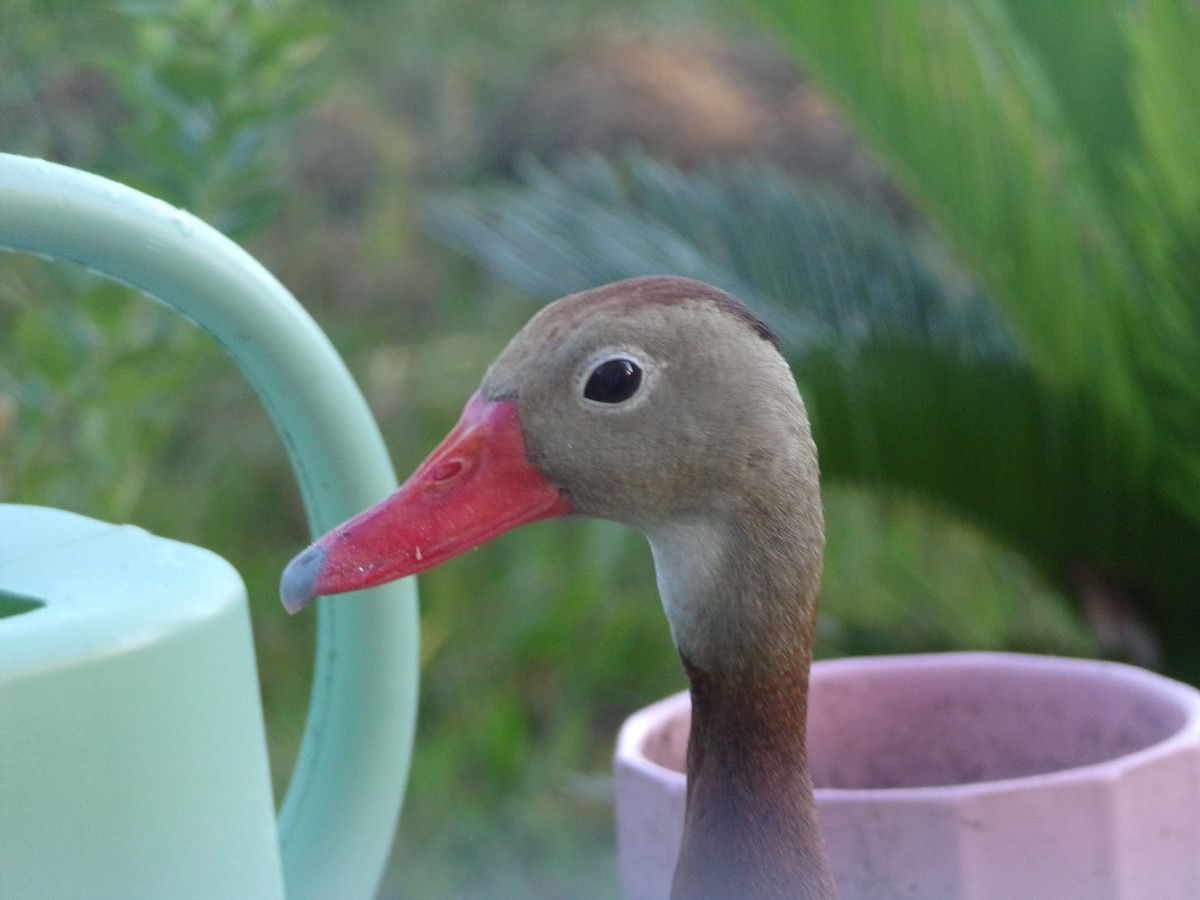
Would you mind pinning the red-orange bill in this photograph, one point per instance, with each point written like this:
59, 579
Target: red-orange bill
475, 486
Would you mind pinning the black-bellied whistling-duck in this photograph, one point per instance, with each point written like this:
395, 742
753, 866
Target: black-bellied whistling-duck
664, 404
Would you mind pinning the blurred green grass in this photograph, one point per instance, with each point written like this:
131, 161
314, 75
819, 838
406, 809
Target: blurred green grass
534, 647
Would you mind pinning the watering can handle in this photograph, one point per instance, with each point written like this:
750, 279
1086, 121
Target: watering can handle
338, 819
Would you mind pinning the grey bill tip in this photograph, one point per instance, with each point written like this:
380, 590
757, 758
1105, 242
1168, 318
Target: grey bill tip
297, 587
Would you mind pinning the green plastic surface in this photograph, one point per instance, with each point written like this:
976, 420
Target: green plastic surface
338, 819
132, 755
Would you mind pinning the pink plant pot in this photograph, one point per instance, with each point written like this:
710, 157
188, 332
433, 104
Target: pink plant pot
965, 776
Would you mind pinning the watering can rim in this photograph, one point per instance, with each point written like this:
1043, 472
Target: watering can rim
144, 595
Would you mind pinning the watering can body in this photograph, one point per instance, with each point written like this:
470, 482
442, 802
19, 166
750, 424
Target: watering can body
132, 760
133, 757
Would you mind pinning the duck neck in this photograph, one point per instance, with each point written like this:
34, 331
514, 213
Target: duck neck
742, 606
751, 827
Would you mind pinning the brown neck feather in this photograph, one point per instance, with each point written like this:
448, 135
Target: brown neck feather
751, 828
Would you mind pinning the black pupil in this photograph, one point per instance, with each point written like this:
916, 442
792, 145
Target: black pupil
613, 381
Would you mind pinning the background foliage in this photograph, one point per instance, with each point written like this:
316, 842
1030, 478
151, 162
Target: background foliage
320, 133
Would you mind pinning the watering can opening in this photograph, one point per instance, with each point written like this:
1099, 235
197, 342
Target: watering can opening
13, 604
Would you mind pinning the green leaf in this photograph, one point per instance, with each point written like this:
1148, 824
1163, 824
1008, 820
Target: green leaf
1081, 50
817, 269
953, 98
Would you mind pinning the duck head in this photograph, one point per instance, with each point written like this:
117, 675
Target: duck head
661, 403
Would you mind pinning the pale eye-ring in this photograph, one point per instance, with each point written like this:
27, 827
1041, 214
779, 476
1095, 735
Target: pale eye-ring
613, 380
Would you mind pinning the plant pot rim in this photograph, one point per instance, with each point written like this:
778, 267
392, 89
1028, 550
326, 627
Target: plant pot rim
639, 726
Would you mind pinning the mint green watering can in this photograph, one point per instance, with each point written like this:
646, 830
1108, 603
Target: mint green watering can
132, 753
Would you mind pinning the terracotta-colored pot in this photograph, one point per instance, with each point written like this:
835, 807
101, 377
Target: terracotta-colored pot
965, 776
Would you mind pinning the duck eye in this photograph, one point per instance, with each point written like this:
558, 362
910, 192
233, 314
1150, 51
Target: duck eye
613, 381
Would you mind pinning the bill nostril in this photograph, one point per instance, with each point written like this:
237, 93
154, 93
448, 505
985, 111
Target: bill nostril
448, 470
